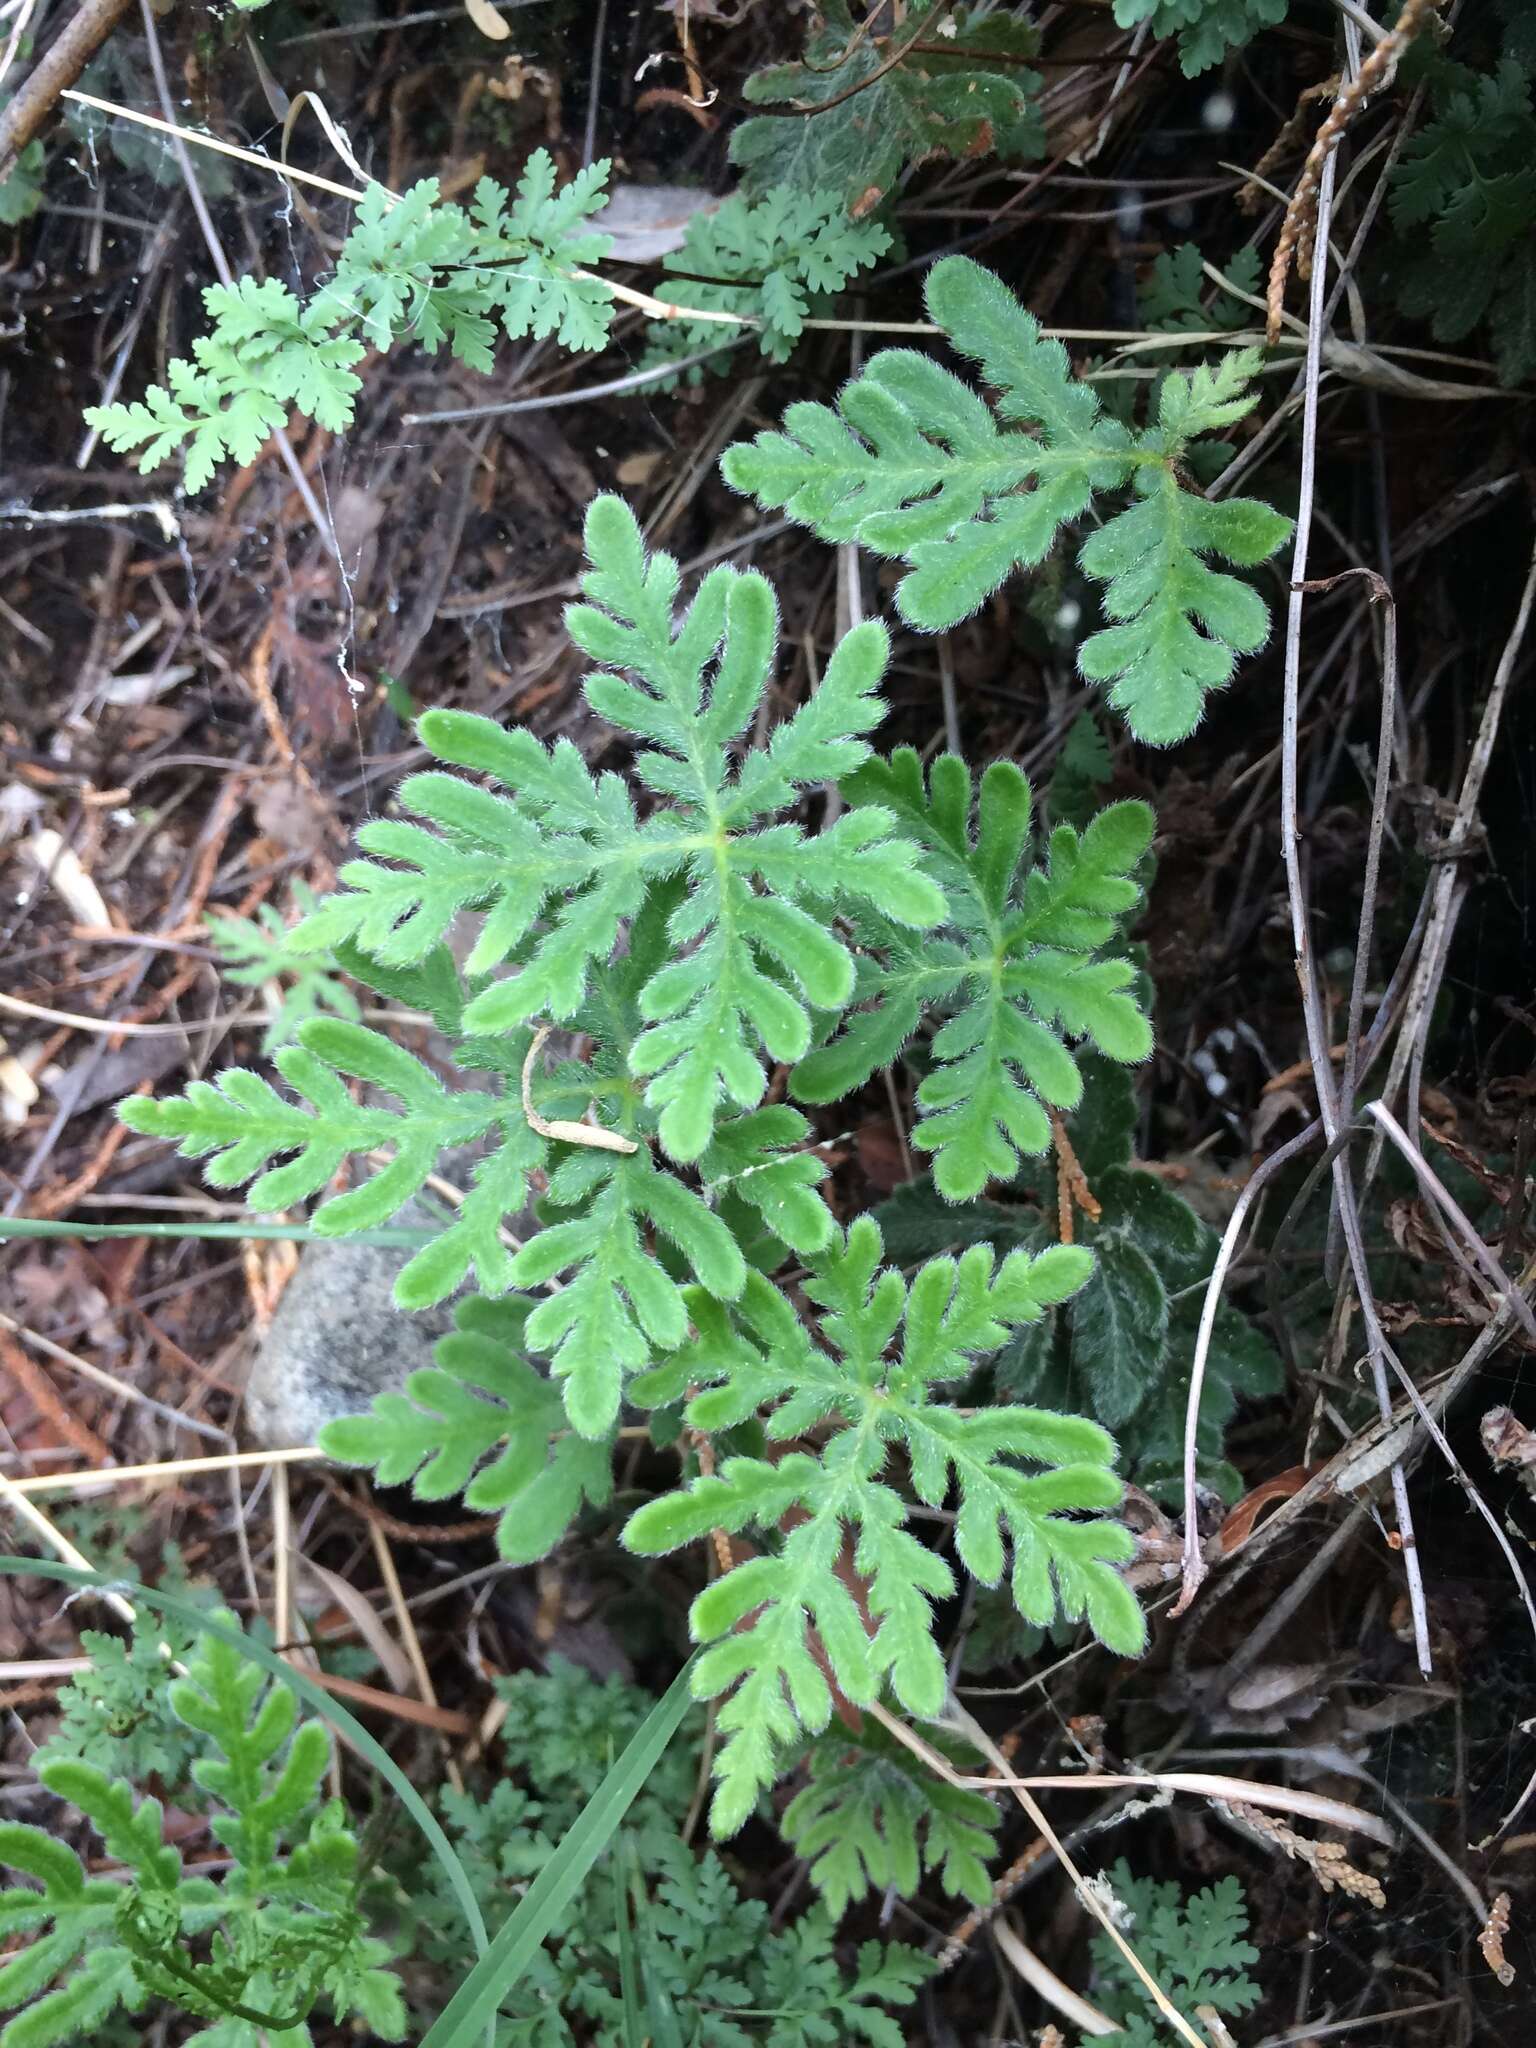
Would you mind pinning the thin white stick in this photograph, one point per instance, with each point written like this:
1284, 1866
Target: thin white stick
100, 1477
1045, 1983
1194, 1557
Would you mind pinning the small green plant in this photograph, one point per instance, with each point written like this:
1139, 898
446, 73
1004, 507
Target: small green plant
253, 953
773, 261
1177, 297
415, 268
912, 464
21, 189
709, 1970
117, 1715
1121, 1348
872, 1817
1206, 29
1464, 201
1196, 1948
864, 101
253, 1954
690, 946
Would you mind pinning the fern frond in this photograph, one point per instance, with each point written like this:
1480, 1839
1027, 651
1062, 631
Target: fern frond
941, 81
1206, 29
1017, 968
417, 267
1121, 1348
762, 1358
750, 957
773, 261
253, 952
912, 464
1195, 1948
872, 1817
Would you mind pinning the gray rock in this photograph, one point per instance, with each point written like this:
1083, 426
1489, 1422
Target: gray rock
337, 1339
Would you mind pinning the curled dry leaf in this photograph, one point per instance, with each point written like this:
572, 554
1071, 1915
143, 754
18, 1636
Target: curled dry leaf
1491, 1940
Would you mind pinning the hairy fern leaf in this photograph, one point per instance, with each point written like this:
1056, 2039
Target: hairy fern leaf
750, 955
483, 1423
873, 1625
857, 107
1018, 967
911, 463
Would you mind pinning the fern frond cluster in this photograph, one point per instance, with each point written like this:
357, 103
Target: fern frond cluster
1196, 1949
253, 1954
1464, 200
416, 268
914, 465
697, 939
1206, 29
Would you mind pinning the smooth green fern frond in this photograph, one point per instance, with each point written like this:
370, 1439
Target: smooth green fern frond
564, 860
415, 268
253, 952
1195, 1948
913, 464
763, 1358
770, 261
858, 107
1176, 296
1206, 29
872, 1817
482, 1422
1018, 967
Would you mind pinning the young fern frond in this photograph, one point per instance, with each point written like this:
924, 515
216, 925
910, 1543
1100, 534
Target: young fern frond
911, 463
414, 267
760, 1358
1017, 967
255, 1953
253, 953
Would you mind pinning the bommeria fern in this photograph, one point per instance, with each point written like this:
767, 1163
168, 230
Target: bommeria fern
691, 938
253, 1954
1206, 29
913, 464
413, 268
1017, 967
772, 262
792, 1620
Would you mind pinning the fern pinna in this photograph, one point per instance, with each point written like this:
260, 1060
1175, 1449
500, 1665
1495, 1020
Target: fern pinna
911, 463
694, 938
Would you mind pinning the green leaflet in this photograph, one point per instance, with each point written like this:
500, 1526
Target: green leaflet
761, 1357
415, 268
482, 1423
773, 261
912, 463
21, 189
1122, 1347
1017, 969
1206, 29
1195, 1948
937, 82
253, 953
872, 1817
1469, 178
